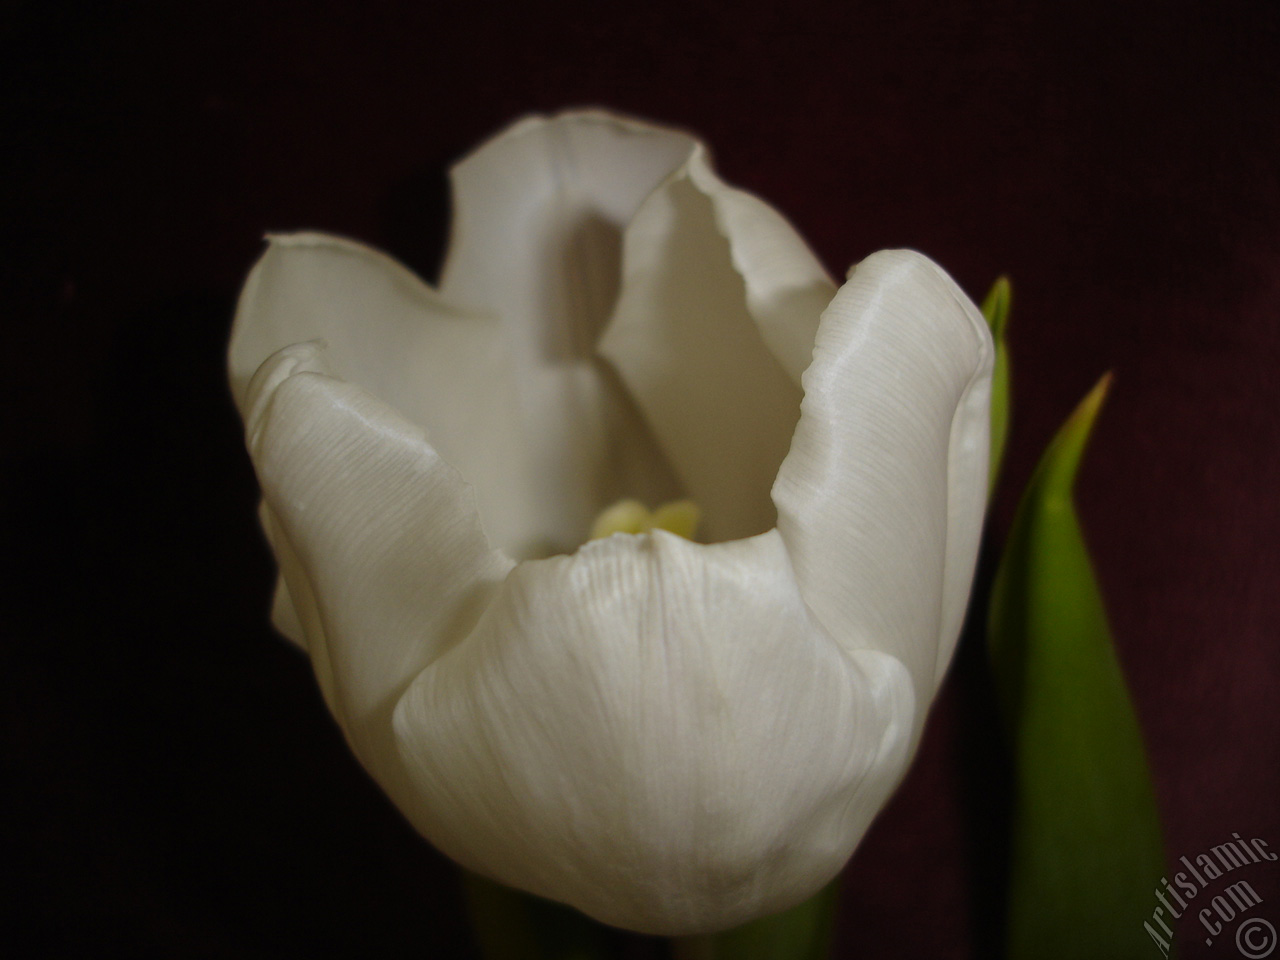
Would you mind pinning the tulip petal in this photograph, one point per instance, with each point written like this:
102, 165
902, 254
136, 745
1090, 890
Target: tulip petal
378, 539
389, 332
715, 323
786, 286
880, 500
538, 217
384, 328
656, 732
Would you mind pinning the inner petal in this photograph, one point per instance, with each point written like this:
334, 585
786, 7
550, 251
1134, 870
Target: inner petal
685, 342
537, 241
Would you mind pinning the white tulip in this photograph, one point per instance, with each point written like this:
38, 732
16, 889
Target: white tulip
671, 736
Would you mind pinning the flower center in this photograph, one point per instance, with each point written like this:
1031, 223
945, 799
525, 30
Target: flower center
631, 516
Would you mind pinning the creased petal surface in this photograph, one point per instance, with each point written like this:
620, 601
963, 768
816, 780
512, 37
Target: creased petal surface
378, 540
656, 732
880, 500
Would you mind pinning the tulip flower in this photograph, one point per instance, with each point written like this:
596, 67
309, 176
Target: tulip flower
672, 736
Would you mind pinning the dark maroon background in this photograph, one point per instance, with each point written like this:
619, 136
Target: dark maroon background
180, 790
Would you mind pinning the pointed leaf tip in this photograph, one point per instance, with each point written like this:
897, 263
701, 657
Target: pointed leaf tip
1086, 850
996, 306
1088, 407
1056, 475
996, 309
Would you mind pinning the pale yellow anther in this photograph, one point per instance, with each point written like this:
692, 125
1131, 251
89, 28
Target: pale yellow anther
625, 516
631, 516
679, 517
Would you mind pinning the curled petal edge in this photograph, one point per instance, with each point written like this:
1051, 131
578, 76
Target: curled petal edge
881, 497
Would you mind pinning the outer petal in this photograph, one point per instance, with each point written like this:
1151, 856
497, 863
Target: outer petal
384, 328
392, 334
880, 500
657, 733
715, 323
377, 538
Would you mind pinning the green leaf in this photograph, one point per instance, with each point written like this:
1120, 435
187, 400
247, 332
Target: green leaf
1086, 853
996, 309
511, 925
801, 933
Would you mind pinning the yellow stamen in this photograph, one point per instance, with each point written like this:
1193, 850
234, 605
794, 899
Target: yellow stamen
630, 516
679, 516
625, 516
